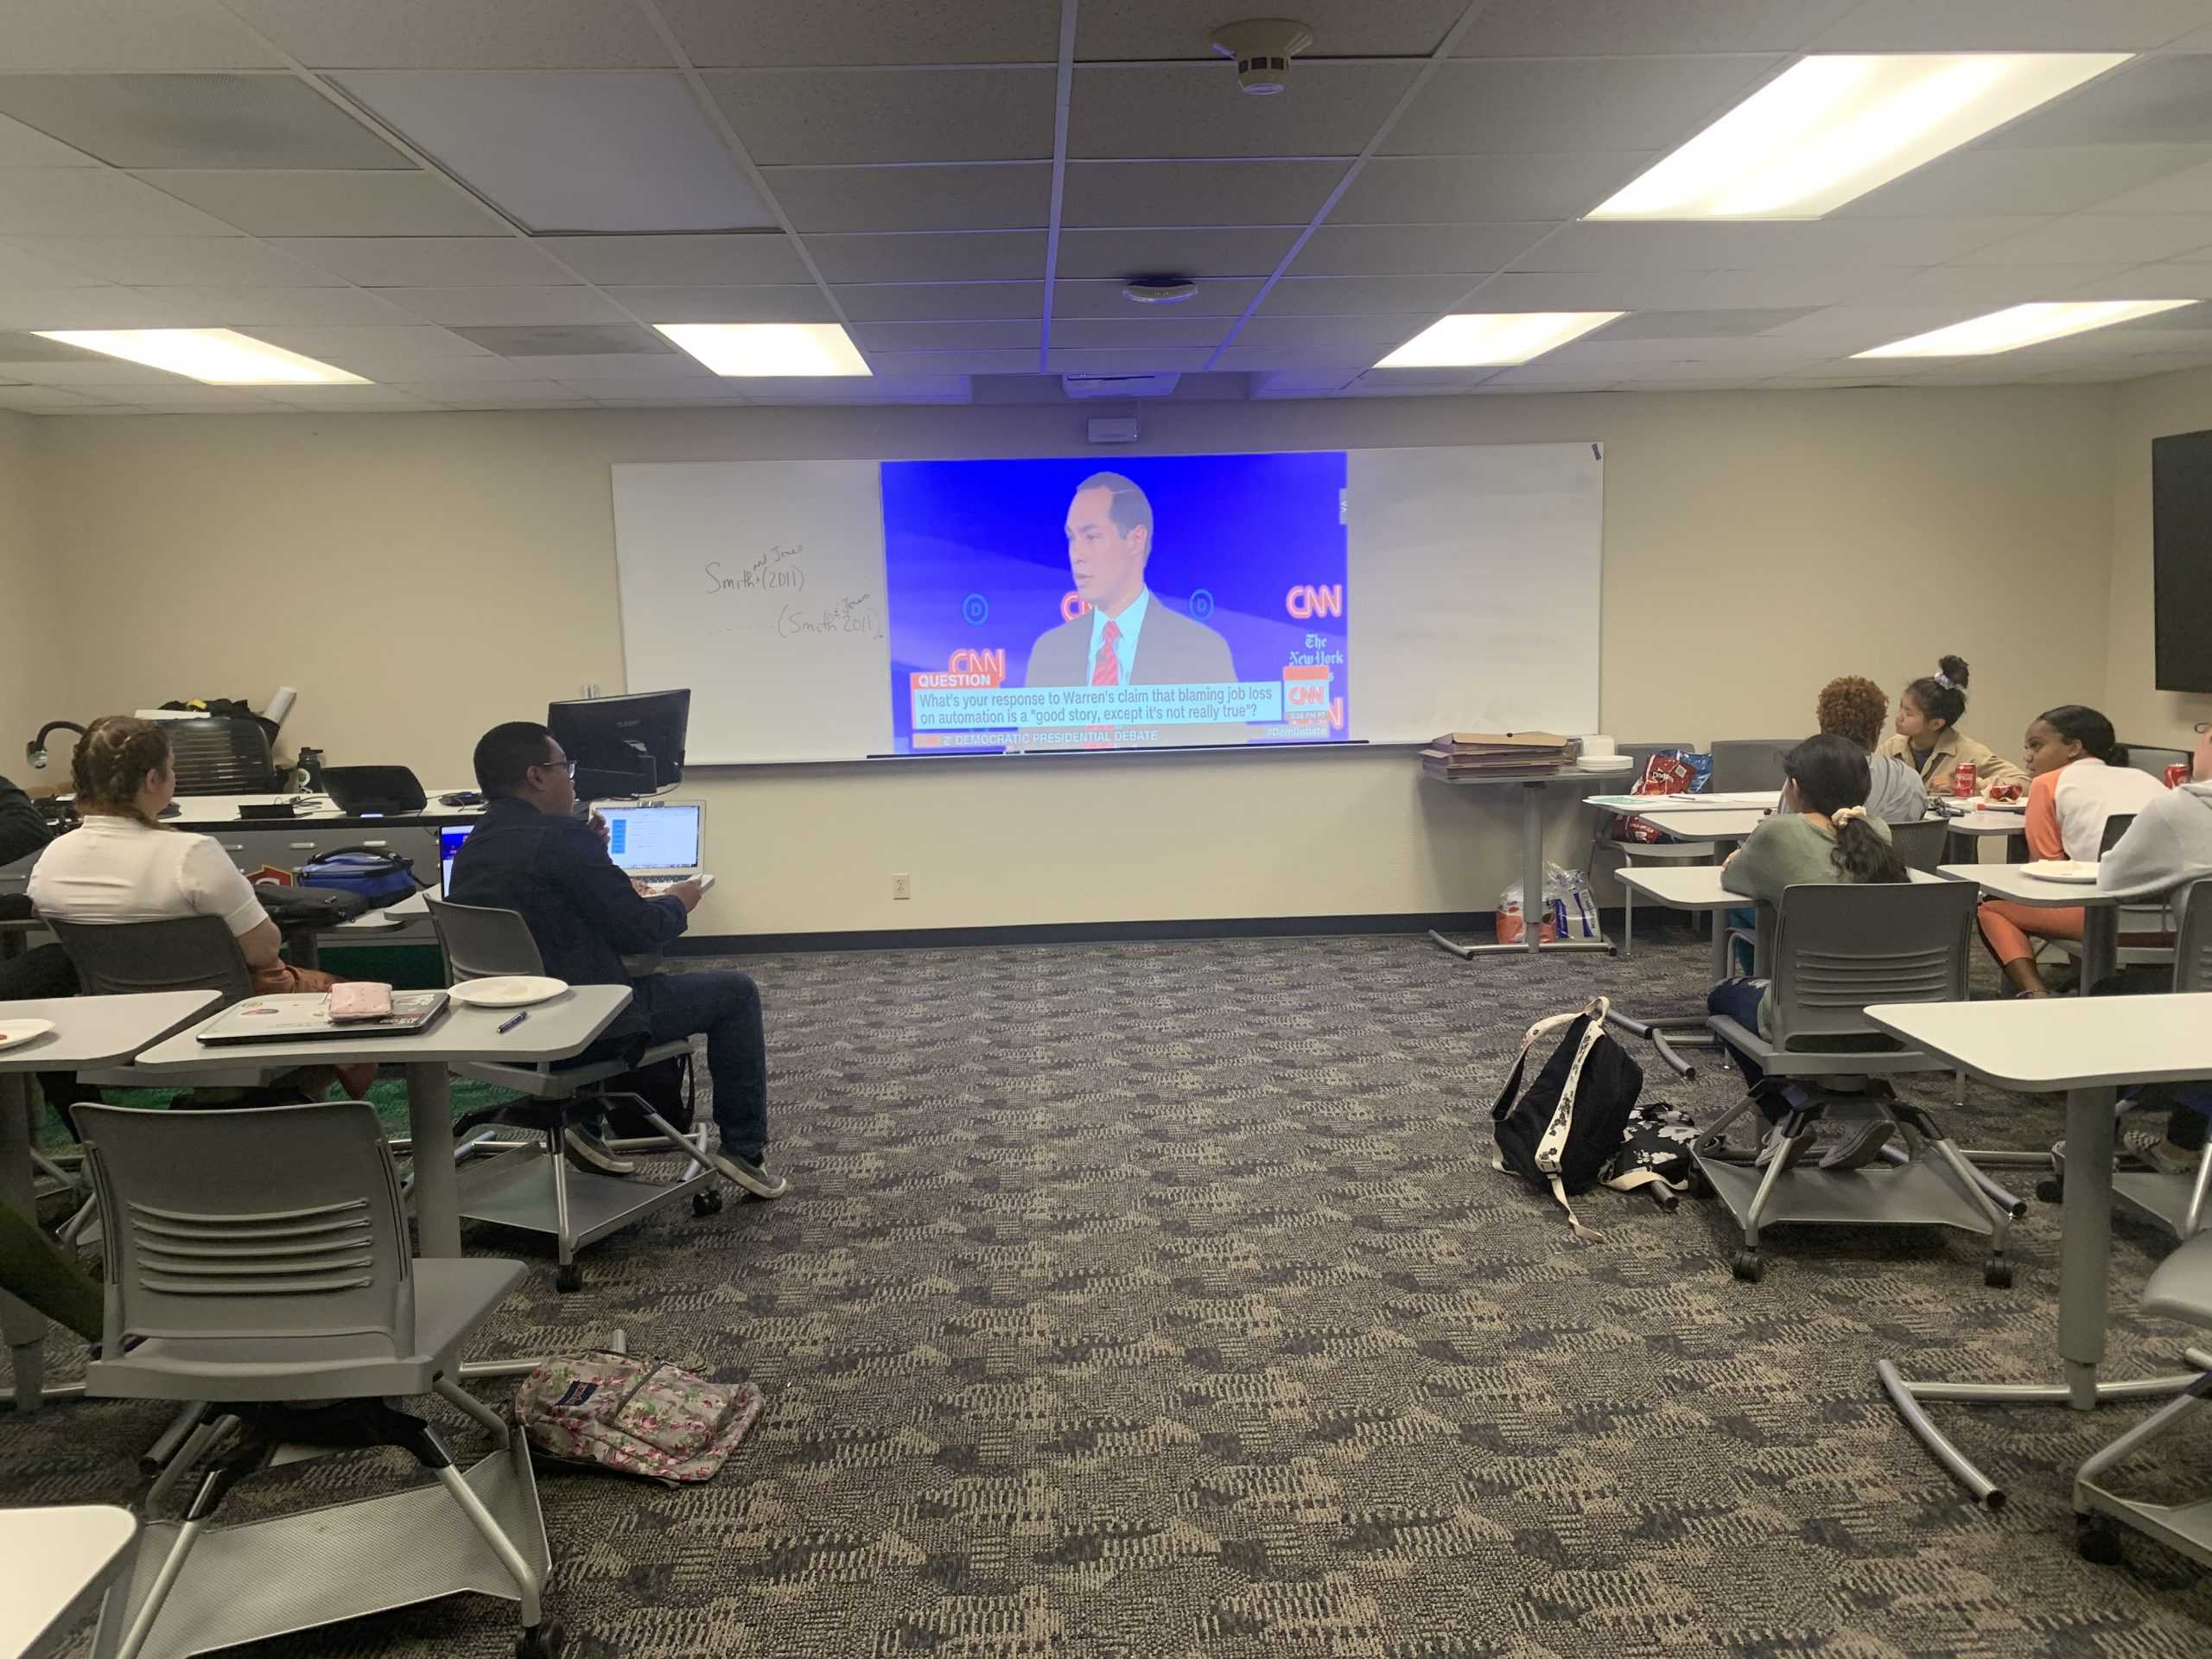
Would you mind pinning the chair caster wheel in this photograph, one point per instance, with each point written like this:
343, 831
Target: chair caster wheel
1996, 1273
539, 1641
2096, 1539
707, 1202
1749, 1265
570, 1277
2050, 1190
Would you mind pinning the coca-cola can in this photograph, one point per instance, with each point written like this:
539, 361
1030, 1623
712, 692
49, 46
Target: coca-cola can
1963, 779
2177, 774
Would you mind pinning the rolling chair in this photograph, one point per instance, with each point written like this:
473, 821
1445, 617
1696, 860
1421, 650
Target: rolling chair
535, 1191
220, 756
1741, 763
261, 1262
1920, 846
2155, 761
1838, 948
1653, 852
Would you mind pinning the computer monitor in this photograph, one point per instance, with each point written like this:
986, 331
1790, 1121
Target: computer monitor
623, 746
662, 840
450, 836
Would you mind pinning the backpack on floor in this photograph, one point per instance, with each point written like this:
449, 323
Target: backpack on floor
639, 1416
666, 1086
1562, 1134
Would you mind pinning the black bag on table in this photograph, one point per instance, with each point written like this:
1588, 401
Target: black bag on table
1562, 1135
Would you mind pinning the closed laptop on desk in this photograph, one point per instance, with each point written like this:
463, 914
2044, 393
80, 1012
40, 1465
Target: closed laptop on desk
305, 1018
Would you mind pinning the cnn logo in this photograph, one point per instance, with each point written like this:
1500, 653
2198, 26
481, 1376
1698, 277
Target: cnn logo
1306, 601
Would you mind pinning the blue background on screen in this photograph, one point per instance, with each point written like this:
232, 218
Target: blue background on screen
1244, 530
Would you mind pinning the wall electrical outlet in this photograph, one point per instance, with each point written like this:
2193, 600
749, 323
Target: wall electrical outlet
902, 885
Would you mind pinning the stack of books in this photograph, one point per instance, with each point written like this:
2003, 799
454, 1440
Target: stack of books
1476, 754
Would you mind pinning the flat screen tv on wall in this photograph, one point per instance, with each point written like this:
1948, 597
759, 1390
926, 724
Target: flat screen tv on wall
2181, 544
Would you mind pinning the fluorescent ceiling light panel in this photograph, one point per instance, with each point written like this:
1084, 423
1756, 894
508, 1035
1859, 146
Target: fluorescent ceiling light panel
1830, 129
2023, 325
752, 349
1493, 339
220, 357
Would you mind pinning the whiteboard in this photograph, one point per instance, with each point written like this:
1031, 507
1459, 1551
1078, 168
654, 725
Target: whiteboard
1474, 579
760, 586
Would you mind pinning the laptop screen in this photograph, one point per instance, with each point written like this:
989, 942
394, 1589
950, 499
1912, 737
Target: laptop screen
653, 837
450, 836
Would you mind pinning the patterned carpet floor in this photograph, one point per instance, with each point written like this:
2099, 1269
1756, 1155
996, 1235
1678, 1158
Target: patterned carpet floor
1158, 1301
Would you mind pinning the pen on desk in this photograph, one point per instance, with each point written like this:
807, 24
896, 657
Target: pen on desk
513, 1023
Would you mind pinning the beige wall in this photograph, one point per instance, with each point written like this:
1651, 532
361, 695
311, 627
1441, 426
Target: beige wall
24, 657
2145, 410
420, 576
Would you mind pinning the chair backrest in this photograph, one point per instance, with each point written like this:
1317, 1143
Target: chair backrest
218, 756
1920, 845
2145, 757
2193, 939
1839, 947
478, 943
246, 1227
184, 953
2115, 826
1748, 763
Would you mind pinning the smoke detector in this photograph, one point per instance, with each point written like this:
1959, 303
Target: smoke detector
1158, 290
1263, 47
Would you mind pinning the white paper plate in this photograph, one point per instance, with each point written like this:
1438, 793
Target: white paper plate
1607, 762
507, 991
2062, 869
14, 1033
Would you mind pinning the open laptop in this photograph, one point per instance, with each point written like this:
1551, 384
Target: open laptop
301, 1018
655, 842
450, 836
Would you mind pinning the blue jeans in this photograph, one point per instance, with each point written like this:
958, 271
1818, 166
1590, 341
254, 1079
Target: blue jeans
726, 1007
1738, 999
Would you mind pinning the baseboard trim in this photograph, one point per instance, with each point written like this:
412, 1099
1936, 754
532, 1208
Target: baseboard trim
1479, 924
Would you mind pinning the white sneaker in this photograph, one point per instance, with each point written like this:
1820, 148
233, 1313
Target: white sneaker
590, 1153
753, 1177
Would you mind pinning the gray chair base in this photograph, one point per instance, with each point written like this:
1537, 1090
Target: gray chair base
2180, 1203
537, 1193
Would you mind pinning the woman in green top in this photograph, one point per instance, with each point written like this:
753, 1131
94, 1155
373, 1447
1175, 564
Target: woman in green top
1820, 833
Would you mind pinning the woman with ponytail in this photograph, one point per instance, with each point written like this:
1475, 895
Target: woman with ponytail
122, 865
2082, 779
1928, 738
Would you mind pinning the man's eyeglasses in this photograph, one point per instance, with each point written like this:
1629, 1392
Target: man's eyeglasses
568, 766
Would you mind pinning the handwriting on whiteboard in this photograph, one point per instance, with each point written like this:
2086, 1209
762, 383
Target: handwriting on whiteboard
855, 614
774, 569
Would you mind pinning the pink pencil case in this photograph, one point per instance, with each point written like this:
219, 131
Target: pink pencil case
361, 1000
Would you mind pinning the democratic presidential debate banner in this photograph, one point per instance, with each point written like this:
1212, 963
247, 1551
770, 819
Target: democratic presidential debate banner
1168, 601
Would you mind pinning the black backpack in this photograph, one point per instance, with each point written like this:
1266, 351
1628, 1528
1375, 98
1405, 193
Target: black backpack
1564, 1132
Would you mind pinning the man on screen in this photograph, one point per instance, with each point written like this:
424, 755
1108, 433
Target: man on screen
1127, 637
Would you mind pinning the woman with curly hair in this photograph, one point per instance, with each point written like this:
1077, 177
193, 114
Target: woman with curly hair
1857, 708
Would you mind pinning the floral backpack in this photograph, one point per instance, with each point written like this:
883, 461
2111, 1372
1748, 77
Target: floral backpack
640, 1416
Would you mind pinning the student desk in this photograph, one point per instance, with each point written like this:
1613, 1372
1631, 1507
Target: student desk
2100, 907
2087, 1048
89, 1031
56, 1560
1736, 823
557, 1030
1532, 785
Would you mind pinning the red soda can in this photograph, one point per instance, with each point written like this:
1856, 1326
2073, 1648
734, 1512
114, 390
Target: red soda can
1963, 779
2177, 774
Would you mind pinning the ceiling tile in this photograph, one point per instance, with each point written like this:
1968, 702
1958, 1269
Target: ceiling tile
39, 399
624, 340
1195, 110
23, 146
491, 394
981, 257
428, 261
1008, 196
1188, 253
572, 152
2153, 100
1665, 247
185, 261
1322, 297
1593, 290
2011, 26
1137, 334
191, 397
670, 364
1341, 29
2171, 281
196, 121
36, 263
2090, 238
343, 346
1845, 329
1311, 333
81, 201
1011, 335
1393, 249
95, 372
2054, 181
479, 306
780, 302
1483, 189
1142, 360
323, 204
1197, 192
747, 256
368, 399
1545, 29
1216, 297
861, 116
919, 388
1343, 360
116, 35
303, 308
940, 301
18, 347
1990, 286
1290, 382
636, 389
2188, 192
94, 308
1675, 326
458, 34
1522, 106
968, 362
1547, 374
763, 34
